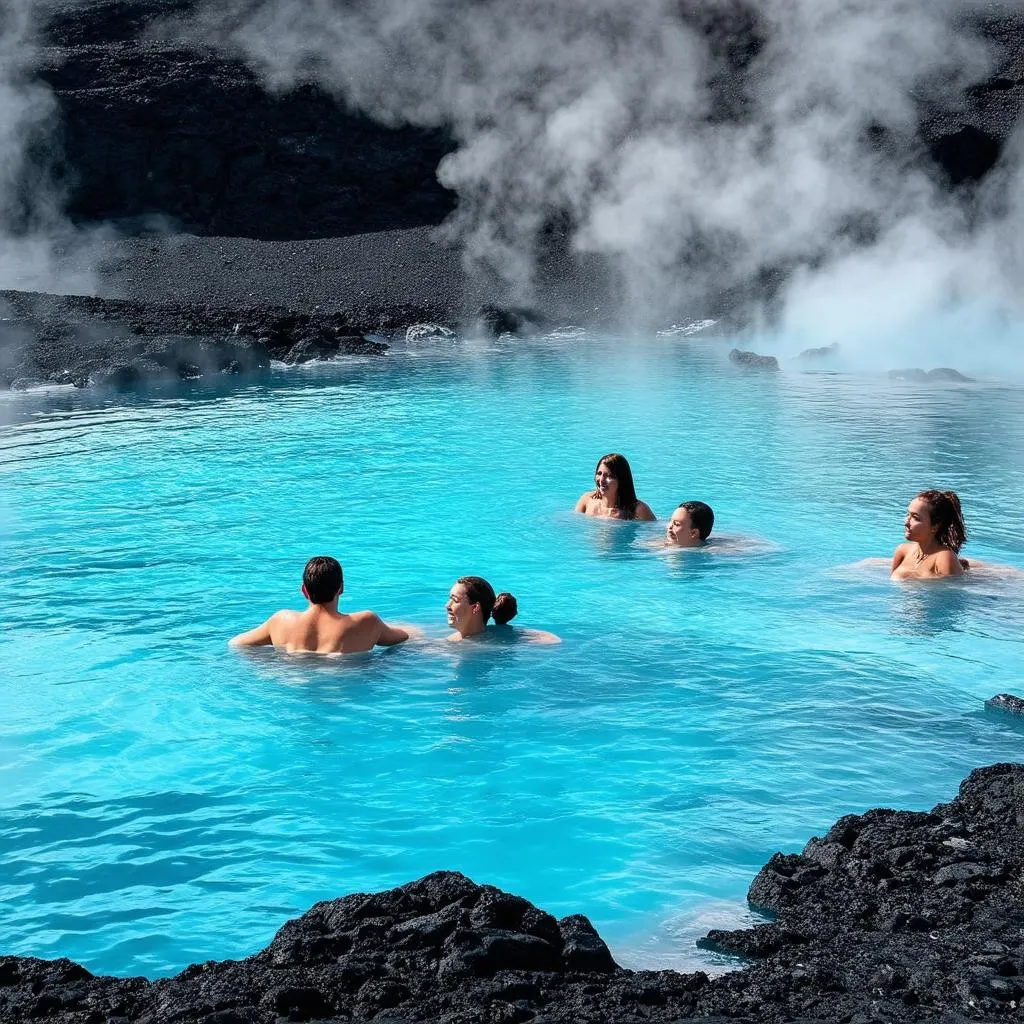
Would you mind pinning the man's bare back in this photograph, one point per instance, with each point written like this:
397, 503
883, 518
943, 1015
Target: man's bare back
321, 628
320, 631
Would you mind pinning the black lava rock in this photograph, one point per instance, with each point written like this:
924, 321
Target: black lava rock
892, 916
753, 360
158, 132
1006, 702
120, 343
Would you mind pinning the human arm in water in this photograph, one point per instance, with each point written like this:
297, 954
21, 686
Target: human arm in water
385, 635
261, 636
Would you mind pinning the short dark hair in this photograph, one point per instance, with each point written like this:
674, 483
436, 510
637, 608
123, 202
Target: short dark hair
702, 518
322, 579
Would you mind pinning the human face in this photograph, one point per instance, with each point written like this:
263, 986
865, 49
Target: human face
918, 524
680, 532
459, 608
605, 484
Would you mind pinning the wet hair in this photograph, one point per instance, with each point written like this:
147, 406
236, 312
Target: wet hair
502, 608
625, 496
947, 517
322, 579
702, 518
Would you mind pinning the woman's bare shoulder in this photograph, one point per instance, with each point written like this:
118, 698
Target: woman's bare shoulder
644, 512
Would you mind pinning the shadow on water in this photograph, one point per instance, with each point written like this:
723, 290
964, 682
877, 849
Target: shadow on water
620, 539
928, 608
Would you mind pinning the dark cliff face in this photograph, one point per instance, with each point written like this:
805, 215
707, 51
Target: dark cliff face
158, 134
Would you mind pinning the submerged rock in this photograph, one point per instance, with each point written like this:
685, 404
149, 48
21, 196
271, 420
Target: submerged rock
753, 360
948, 373
892, 915
495, 321
940, 373
1006, 702
823, 352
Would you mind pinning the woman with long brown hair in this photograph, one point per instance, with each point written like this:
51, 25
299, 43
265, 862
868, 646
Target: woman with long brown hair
614, 494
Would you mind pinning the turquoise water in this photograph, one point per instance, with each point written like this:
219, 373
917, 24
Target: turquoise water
165, 800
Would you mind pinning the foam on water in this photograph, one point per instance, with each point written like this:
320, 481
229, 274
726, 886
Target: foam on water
165, 800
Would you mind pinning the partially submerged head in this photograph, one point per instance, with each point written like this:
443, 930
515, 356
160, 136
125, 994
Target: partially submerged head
690, 525
322, 580
613, 481
472, 601
936, 517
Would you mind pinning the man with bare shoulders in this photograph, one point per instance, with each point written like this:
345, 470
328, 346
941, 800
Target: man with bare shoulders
321, 628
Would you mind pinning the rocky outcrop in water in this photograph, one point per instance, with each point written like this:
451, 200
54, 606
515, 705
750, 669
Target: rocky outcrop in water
941, 373
1008, 702
752, 360
892, 916
49, 339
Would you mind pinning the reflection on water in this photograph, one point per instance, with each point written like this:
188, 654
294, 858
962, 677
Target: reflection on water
928, 607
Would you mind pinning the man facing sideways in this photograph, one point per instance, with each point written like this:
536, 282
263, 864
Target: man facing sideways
321, 628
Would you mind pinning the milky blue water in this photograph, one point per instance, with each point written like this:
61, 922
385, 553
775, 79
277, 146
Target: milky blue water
164, 799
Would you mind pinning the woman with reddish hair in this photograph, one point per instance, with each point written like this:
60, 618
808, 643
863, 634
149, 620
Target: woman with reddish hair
935, 532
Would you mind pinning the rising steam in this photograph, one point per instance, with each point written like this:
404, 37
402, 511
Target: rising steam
624, 123
34, 234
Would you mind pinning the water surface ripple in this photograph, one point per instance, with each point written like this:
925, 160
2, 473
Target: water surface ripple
164, 800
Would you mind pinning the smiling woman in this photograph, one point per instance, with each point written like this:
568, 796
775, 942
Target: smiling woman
472, 601
614, 494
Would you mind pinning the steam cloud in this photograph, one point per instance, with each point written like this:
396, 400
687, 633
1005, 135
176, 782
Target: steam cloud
33, 230
623, 121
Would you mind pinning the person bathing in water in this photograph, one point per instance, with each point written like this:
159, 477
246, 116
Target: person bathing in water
321, 628
690, 525
471, 602
935, 532
614, 495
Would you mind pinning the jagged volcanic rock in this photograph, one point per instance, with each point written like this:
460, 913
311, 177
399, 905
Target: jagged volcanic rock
79, 339
892, 916
753, 360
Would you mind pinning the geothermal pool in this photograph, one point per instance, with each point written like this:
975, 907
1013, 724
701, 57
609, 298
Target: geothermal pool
165, 800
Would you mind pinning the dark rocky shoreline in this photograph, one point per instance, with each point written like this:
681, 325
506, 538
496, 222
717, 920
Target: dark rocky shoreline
83, 340
890, 916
